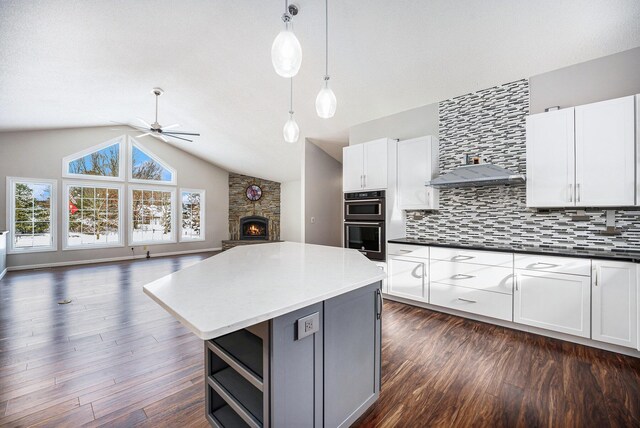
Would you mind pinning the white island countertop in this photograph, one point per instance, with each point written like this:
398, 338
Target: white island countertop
250, 284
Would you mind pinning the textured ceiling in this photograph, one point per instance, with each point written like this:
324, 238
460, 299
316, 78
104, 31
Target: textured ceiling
85, 63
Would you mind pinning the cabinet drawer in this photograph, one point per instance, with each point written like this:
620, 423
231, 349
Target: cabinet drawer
408, 250
567, 265
494, 305
481, 277
492, 258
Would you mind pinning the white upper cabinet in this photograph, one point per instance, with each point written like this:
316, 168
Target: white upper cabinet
614, 293
583, 156
365, 166
376, 164
605, 153
417, 164
352, 165
550, 159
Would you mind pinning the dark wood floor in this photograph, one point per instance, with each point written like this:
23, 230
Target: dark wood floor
114, 358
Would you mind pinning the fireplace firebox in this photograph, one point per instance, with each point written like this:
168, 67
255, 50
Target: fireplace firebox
254, 228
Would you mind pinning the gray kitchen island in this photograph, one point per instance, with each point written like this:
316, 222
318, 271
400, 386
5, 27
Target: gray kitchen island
291, 333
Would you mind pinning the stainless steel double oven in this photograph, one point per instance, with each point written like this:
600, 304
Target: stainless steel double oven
364, 223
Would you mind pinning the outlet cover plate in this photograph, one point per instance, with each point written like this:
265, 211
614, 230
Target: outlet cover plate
308, 325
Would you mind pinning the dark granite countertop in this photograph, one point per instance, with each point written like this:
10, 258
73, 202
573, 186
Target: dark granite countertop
613, 254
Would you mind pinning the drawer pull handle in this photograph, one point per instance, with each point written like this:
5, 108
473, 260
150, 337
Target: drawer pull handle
546, 264
462, 257
466, 300
462, 276
405, 251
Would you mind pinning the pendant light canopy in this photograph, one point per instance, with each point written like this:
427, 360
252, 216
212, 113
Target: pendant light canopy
326, 101
291, 131
286, 52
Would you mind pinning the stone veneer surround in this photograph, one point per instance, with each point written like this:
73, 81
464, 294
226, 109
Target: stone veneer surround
491, 123
267, 206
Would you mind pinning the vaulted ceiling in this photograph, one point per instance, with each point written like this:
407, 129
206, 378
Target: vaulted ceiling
81, 63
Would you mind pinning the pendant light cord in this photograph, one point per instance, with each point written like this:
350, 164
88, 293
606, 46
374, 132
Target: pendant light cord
291, 97
326, 39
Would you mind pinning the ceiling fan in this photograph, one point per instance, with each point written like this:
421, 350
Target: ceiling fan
162, 132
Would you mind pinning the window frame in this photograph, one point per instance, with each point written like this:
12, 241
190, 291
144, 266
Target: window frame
121, 165
203, 200
173, 191
65, 218
11, 210
133, 142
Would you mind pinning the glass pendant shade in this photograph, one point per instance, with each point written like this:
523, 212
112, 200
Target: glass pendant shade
286, 53
326, 102
291, 131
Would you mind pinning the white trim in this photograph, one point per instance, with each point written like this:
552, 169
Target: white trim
156, 158
3, 273
78, 155
11, 214
173, 192
108, 259
203, 204
65, 217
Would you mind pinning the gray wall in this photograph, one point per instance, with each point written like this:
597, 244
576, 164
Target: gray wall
291, 211
612, 76
412, 123
39, 154
322, 196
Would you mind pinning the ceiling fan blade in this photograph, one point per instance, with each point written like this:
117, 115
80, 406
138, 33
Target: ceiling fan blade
162, 138
148, 125
144, 135
180, 133
175, 125
179, 138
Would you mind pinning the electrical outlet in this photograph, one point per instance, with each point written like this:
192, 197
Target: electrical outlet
308, 325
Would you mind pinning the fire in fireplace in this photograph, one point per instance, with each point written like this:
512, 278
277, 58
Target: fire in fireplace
254, 227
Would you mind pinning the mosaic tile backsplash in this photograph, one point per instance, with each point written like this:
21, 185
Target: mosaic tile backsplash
491, 123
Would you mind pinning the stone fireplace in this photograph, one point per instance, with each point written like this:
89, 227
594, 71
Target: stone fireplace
254, 228
265, 209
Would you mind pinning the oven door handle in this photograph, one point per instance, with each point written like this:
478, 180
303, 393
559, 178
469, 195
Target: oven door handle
355, 201
365, 223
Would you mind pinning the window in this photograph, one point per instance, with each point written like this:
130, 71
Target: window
101, 162
93, 216
148, 168
31, 215
151, 219
192, 215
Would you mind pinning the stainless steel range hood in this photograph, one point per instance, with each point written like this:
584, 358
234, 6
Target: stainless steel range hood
484, 174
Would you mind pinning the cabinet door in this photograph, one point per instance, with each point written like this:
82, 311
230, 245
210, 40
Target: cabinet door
352, 167
553, 301
550, 159
375, 164
605, 153
417, 164
352, 335
407, 277
614, 303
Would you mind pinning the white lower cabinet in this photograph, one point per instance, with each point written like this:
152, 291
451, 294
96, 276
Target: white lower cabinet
615, 303
407, 277
553, 301
487, 303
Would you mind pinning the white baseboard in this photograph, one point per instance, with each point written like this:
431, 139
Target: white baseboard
515, 326
4, 272
108, 259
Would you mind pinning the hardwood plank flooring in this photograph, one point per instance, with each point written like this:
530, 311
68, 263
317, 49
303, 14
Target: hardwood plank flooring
112, 357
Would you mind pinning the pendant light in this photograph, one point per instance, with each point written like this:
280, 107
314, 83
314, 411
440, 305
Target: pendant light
326, 102
290, 130
286, 52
